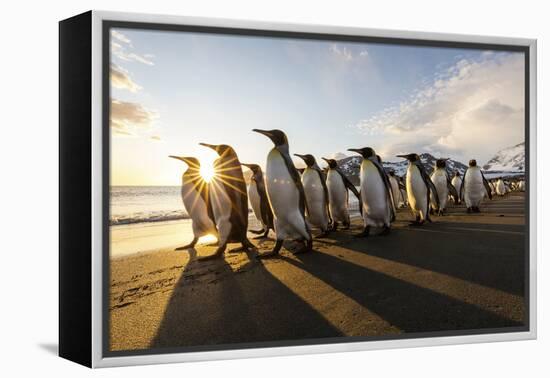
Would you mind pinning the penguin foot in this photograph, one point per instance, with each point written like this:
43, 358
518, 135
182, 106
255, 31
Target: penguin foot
305, 249
188, 246
364, 233
272, 253
476, 210
260, 237
416, 223
256, 232
267, 255
385, 231
238, 249
469, 210
324, 234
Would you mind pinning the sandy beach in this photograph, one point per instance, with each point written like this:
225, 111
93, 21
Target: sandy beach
462, 272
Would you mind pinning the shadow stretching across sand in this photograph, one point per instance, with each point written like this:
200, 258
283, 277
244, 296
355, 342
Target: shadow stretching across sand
236, 310
409, 307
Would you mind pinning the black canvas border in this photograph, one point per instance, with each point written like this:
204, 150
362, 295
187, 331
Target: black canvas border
108, 24
75, 189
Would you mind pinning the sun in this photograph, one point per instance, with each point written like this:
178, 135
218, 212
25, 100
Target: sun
207, 170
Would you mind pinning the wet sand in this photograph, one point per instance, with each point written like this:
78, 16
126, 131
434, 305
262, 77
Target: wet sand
462, 272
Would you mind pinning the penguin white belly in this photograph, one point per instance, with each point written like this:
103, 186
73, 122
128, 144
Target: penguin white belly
474, 191
439, 179
396, 192
457, 183
376, 209
500, 189
284, 198
221, 207
417, 192
315, 198
338, 197
254, 198
197, 210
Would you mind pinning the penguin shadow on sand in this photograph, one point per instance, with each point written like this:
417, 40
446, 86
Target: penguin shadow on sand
223, 301
409, 307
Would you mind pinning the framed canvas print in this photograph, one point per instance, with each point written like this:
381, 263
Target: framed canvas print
233, 189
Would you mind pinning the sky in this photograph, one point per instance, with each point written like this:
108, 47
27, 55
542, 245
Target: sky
172, 90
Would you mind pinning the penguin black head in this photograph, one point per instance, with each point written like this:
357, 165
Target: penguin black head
410, 157
457, 174
221, 149
308, 159
331, 162
392, 172
366, 152
441, 163
277, 136
190, 161
472, 163
255, 168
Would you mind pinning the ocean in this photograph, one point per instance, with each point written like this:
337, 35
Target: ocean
146, 204
148, 218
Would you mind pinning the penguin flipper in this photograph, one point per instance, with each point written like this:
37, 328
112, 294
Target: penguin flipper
452, 190
431, 187
486, 184
265, 207
387, 185
325, 190
351, 187
462, 185
295, 175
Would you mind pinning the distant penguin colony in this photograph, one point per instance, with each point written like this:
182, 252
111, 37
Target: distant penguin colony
291, 202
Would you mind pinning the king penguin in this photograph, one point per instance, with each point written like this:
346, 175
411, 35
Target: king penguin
317, 200
457, 183
376, 194
396, 189
286, 195
474, 187
443, 186
500, 188
419, 186
229, 200
194, 193
259, 201
337, 186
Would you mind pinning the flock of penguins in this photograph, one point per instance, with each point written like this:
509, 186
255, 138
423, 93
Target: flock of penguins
290, 201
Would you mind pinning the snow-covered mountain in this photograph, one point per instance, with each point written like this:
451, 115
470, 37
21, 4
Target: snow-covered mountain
509, 159
351, 166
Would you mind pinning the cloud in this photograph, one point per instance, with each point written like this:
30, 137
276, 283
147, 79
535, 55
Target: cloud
130, 118
121, 37
121, 79
471, 109
121, 47
347, 53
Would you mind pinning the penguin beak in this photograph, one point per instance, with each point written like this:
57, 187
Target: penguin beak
325, 159
264, 132
402, 156
246, 165
182, 158
355, 150
212, 146
300, 156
